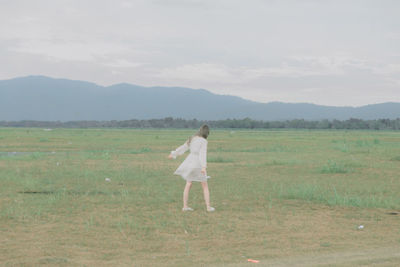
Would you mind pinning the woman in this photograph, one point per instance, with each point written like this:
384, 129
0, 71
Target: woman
193, 168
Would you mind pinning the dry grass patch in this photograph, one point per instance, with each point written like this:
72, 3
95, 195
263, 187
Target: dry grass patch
109, 235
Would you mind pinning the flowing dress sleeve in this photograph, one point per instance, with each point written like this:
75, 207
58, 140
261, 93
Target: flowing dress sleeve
203, 154
180, 150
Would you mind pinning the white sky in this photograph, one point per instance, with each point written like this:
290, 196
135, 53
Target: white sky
329, 52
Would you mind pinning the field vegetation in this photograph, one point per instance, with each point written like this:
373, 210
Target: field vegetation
94, 197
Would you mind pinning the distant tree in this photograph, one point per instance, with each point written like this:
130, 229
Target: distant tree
246, 123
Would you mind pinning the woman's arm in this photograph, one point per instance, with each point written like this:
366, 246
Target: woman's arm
179, 151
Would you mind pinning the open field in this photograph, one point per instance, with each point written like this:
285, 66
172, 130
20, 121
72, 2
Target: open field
281, 197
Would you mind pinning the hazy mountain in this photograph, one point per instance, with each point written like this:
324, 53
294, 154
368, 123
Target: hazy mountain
48, 99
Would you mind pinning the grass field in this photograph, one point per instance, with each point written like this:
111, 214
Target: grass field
281, 197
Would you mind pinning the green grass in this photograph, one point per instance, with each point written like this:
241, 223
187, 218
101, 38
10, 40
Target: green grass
75, 149
54, 193
333, 167
397, 158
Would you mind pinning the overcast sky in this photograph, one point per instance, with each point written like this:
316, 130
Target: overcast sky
341, 53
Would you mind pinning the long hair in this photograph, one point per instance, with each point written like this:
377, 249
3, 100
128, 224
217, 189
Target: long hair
204, 131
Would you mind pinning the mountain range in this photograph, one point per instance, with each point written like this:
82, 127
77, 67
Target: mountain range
47, 99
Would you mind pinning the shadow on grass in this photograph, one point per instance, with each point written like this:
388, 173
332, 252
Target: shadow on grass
219, 159
69, 192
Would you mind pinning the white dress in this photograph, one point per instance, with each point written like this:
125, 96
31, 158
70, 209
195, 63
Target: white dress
190, 169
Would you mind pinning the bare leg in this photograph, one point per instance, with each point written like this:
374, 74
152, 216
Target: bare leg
186, 194
206, 193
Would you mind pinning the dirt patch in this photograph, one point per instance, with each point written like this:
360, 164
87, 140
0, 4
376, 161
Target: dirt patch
387, 256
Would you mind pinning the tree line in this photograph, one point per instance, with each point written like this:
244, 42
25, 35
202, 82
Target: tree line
247, 123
